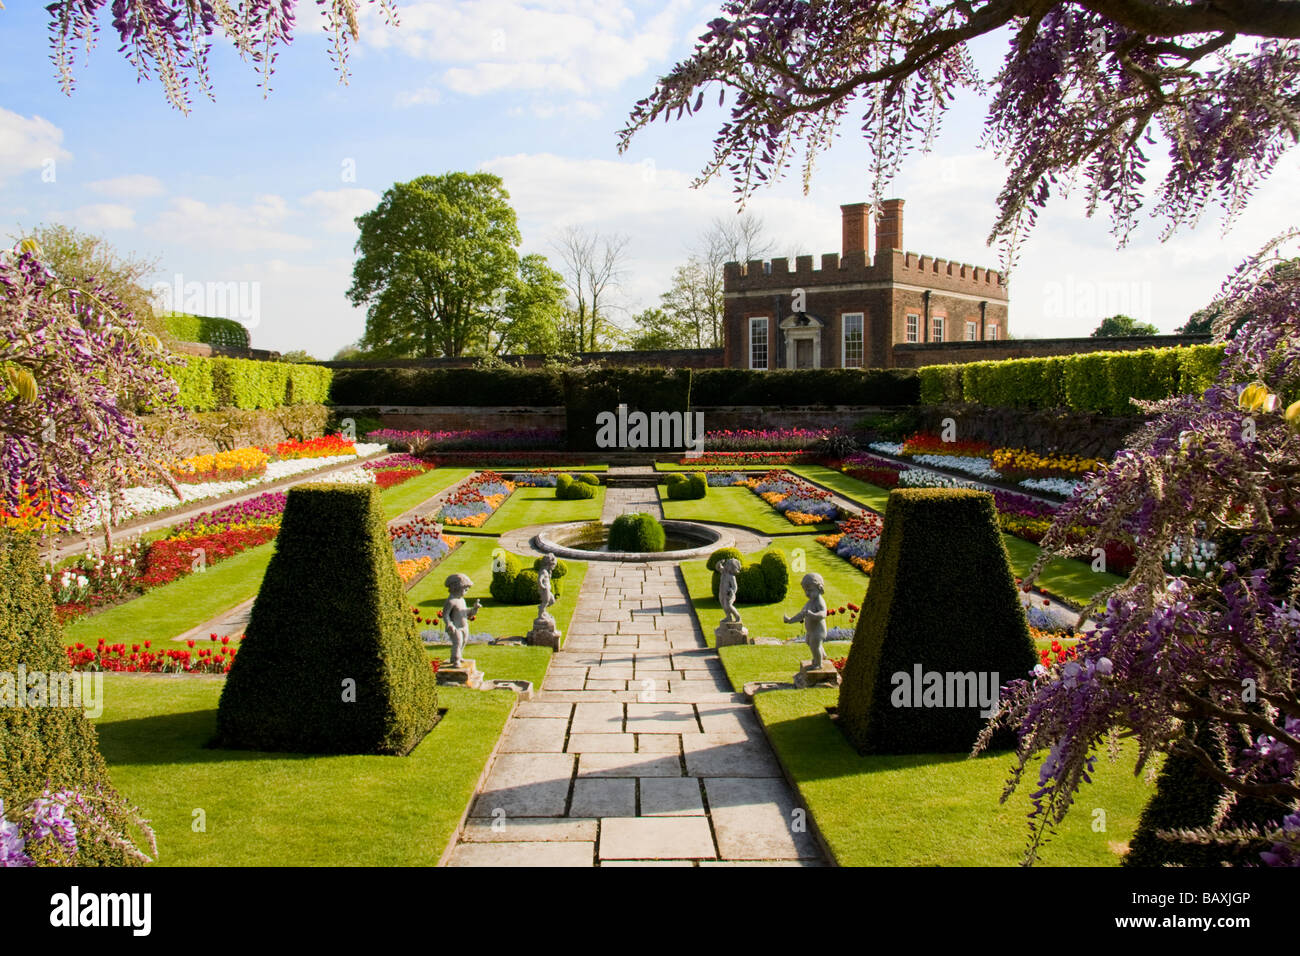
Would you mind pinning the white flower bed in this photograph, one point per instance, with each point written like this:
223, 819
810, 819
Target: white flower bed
1203, 555
1059, 486
924, 478
886, 447
978, 467
143, 501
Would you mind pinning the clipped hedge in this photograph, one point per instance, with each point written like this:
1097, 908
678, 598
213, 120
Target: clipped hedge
210, 383
512, 583
46, 747
683, 487
637, 532
326, 668
822, 386
1095, 382
210, 330
568, 488
942, 598
378, 387
766, 581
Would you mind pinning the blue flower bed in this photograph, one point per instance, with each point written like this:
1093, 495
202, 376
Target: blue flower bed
535, 479
725, 479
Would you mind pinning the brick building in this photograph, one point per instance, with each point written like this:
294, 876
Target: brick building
853, 310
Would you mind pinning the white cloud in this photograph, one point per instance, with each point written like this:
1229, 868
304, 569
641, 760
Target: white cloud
572, 47
28, 143
104, 216
339, 207
240, 228
128, 187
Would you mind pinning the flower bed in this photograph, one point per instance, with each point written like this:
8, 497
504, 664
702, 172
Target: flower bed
1017, 464
765, 439
140, 500
327, 446
215, 658
857, 541
422, 442
927, 443
240, 464
476, 500
535, 479
873, 470
789, 495
421, 537
171, 558
737, 459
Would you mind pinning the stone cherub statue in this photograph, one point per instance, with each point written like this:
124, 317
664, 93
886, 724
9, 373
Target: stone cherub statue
813, 616
727, 588
545, 596
456, 615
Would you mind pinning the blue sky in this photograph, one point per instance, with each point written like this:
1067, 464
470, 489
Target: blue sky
260, 191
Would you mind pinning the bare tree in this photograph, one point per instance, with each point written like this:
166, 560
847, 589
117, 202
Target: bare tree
593, 268
729, 239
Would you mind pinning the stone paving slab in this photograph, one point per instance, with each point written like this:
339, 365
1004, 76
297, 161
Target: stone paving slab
530, 830
671, 796
603, 797
648, 838
756, 820
629, 765
522, 854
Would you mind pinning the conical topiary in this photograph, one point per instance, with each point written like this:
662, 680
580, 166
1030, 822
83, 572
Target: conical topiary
47, 747
942, 601
331, 661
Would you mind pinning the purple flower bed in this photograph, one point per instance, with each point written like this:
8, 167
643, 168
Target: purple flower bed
765, 439
725, 479
536, 479
265, 508
424, 442
404, 460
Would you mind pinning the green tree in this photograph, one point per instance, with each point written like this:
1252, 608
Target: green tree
532, 310
658, 329
434, 259
692, 303
297, 355
1201, 322
77, 258
1123, 325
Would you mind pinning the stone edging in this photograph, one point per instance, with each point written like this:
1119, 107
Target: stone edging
478, 784
722, 540
813, 828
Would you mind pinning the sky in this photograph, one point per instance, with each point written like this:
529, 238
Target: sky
246, 203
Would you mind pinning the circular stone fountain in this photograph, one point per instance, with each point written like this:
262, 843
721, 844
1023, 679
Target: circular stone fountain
588, 541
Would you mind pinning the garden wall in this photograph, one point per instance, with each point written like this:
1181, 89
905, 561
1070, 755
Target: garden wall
208, 432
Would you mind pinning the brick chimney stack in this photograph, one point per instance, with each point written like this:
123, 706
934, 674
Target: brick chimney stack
889, 230
853, 218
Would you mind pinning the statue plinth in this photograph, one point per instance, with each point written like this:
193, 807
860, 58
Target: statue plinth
827, 675
466, 675
731, 632
545, 633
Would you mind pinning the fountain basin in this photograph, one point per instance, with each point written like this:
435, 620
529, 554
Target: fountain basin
580, 541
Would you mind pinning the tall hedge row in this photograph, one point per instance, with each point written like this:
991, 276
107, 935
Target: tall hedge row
210, 383
649, 389
1101, 382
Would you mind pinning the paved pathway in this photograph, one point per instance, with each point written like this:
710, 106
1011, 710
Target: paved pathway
635, 752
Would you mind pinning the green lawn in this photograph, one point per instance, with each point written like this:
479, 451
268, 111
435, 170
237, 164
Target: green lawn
265, 809
474, 557
166, 612
936, 809
844, 584
530, 506
748, 662
738, 506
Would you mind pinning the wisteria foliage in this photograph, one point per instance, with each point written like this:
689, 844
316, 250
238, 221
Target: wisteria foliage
87, 369
172, 38
1219, 648
1081, 89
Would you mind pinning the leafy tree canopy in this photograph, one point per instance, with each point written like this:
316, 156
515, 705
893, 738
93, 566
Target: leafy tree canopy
1117, 325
